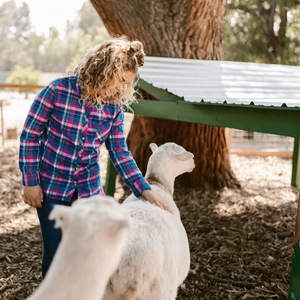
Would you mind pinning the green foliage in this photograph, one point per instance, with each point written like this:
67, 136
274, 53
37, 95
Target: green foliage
15, 27
86, 32
14, 21
34, 45
88, 20
19, 45
262, 31
24, 76
79, 42
54, 56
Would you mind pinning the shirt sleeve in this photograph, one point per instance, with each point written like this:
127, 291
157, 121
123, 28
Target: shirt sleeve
37, 118
122, 158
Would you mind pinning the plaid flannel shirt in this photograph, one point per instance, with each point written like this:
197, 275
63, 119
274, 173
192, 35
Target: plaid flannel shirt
61, 139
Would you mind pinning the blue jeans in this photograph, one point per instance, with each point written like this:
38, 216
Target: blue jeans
51, 235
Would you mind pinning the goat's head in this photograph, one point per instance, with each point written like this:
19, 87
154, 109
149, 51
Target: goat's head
91, 217
172, 157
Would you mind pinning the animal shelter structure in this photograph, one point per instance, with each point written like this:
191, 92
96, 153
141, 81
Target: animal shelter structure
248, 96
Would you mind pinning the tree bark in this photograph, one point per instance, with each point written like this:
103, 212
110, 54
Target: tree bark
182, 29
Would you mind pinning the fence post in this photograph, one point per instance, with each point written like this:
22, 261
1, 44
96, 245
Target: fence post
2, 122
111, 174
296, 164
294, 290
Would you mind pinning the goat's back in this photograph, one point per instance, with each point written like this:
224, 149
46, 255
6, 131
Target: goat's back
155, 257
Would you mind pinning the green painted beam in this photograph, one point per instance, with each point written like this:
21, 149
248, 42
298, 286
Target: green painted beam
296, 164
276, 121
294, 290
159, 94
110, 183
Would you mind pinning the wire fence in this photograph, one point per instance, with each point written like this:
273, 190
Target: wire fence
13, 110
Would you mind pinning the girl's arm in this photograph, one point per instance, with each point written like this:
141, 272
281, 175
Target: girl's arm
122, 159
125, 164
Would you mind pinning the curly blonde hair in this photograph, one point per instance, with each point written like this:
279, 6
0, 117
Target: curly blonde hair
100, 71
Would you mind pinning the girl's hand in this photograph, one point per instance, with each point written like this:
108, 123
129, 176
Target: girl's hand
152, 198
33, 196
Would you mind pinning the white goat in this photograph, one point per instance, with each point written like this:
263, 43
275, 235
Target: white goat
156, 257
93, 232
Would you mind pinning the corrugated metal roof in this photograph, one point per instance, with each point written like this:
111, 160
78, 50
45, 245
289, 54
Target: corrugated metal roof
224, 81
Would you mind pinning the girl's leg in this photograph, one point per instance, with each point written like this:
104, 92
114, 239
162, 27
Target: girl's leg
51, 235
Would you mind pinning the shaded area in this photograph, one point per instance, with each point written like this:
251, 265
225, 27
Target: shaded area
20, 263
20, 236
236, 255
240, 239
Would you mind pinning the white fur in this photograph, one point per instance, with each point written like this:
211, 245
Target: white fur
156, 257
93, 232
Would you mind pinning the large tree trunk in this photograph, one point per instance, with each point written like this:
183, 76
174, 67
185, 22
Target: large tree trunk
182, 29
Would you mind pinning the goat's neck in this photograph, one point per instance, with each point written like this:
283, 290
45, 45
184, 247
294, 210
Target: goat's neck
163, 179
68, 277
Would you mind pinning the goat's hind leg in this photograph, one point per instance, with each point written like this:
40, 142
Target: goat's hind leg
161, 290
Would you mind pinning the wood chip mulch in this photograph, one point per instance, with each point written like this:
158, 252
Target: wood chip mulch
240, 240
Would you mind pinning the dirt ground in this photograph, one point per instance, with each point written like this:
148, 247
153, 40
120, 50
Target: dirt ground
240, 240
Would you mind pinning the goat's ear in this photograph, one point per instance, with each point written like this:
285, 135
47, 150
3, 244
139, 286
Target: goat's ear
59, 213
153, 147
184, 156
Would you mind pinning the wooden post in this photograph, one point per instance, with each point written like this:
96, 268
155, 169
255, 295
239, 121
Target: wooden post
228, 135
296, 164
110, 184
2, 122
294, 290
297, 230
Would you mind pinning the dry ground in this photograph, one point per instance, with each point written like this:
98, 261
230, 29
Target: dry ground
240, 240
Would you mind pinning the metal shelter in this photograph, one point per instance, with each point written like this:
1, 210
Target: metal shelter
224, 81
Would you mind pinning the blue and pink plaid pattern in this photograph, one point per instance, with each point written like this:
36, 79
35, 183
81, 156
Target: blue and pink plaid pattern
61, 139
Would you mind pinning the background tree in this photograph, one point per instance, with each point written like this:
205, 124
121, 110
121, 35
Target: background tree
14, 21
88, 20
52, 52
54, 56
15, 28
263, 31
86, 31
34, 46
183, 29
25, 76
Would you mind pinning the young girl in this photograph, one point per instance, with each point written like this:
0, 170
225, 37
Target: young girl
68, 122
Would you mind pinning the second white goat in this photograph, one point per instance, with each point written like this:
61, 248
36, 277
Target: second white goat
155, 258
93, 232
